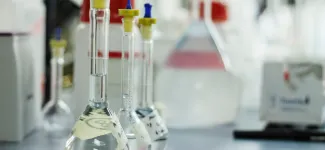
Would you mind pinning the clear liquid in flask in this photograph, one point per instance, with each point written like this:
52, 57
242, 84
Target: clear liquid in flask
97, 128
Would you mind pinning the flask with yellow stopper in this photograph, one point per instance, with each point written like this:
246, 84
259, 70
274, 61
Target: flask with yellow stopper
98, 128
58, 118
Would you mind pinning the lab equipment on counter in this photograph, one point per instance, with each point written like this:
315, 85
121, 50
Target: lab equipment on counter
292, 103
58, 118
196, 81
146, 110
293, 93
292, 97
22, 56
98, 127
135, 130
301, 68
299, 94
81, 85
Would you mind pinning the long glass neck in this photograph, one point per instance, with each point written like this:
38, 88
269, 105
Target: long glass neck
99, 29
147, 74
57, 63
128, 70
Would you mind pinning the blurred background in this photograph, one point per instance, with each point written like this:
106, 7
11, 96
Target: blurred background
211, 64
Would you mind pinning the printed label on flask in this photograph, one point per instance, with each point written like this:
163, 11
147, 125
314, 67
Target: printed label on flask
155, 125
119, 134
141, 133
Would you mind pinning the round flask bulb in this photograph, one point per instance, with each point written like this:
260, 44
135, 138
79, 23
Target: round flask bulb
58, 120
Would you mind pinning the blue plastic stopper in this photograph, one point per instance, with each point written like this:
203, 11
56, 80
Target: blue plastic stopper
147, 12
128, 5
58, 33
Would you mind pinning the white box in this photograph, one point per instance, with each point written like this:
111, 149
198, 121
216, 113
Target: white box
21, 63
298, 99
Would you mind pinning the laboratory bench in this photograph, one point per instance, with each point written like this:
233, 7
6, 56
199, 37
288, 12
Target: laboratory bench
215, 138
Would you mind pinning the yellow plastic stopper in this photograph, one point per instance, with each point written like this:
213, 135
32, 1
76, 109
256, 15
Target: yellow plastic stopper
146, 27
57, 46
99, 4
128, 17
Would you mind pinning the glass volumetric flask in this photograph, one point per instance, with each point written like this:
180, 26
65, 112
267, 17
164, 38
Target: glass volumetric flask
134, 128
98, 128
146, 110
58, 118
